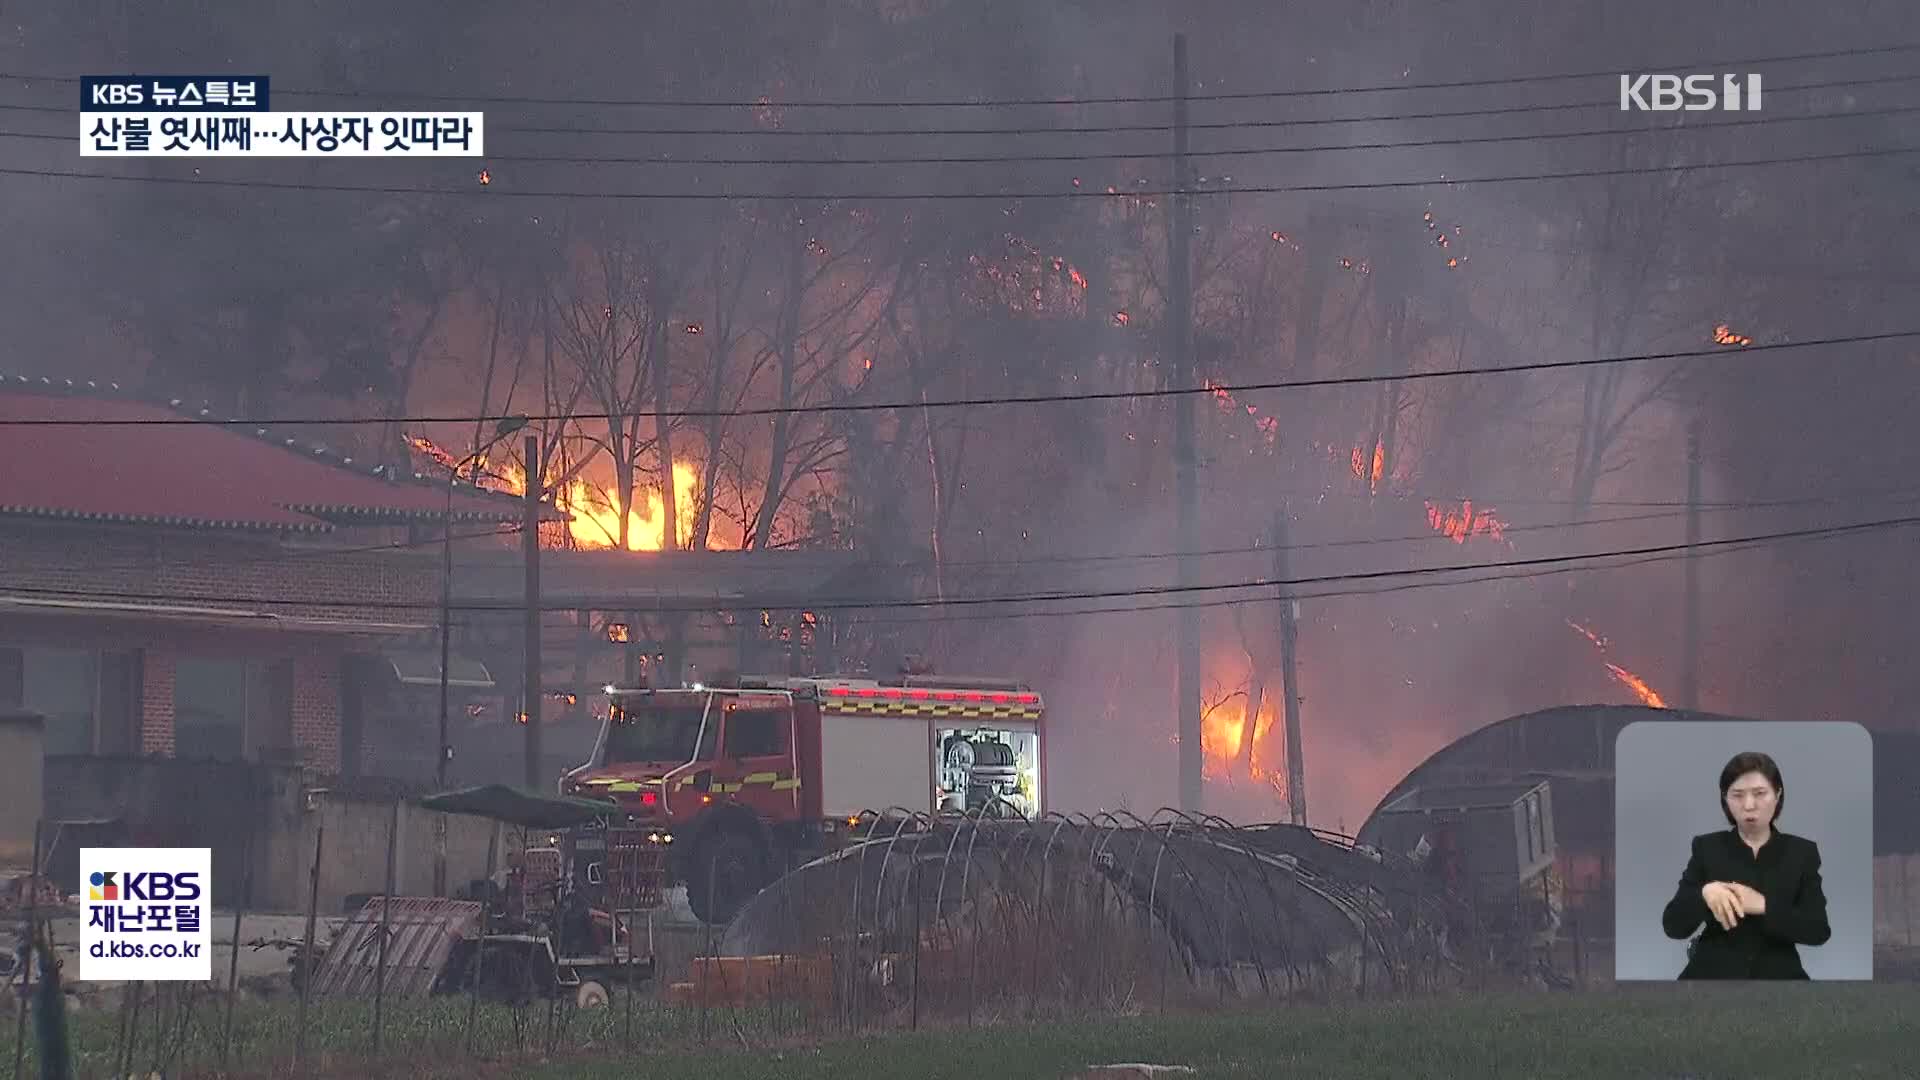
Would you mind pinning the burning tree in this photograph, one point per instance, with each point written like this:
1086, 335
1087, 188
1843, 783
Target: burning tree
612, 316
1629, 233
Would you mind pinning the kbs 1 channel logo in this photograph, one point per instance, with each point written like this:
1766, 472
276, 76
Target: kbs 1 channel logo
146, 914
1691, 93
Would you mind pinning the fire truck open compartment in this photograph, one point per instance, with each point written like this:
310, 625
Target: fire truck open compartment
988, 768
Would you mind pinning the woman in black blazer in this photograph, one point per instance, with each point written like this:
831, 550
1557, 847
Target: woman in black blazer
1757, 889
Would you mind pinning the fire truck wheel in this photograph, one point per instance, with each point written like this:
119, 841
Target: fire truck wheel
727, 870
591, 995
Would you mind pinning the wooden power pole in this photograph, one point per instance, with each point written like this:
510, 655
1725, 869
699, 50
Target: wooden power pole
1690, 639
1180, 345
1289, 639
530, 545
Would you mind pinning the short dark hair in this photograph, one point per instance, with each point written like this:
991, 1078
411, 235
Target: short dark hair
1752, 761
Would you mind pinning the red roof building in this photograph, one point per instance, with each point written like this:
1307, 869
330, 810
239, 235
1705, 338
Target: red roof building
175, 583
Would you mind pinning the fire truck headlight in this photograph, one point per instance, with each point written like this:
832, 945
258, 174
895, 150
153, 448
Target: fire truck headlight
667, 838
653, 838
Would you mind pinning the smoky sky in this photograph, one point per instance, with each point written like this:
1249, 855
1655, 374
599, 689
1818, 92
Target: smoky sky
1551, 270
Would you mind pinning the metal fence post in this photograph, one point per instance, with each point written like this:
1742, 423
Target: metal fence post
307, 964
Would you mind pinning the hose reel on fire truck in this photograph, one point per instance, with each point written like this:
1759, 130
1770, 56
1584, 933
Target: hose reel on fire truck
982, 770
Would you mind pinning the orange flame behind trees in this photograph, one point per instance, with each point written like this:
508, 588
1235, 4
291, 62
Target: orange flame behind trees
1458, 524
1225, 723
594, 508
1369, 469
596, 511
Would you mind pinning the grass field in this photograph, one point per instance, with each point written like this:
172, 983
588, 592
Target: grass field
1667, 1032
1735, 1032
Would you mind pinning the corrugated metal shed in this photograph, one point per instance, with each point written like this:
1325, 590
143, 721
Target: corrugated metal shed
421, 933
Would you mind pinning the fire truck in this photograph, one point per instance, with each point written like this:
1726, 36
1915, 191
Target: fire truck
740, 783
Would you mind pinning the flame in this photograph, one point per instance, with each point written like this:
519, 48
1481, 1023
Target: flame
426, 447
1724, 335
1598, 641
1224, 724
1268, 427
1459, 524
1023, 279
596, 511
1648, 695
1371, 476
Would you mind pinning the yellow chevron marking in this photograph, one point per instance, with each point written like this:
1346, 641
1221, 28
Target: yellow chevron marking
934, 709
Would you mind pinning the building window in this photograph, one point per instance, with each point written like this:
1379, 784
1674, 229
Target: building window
230, 709
63, 685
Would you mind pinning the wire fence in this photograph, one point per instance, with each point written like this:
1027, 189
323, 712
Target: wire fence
917, 922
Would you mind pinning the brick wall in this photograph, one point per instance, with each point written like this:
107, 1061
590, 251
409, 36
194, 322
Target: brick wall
135, 565
156, 721
316, 708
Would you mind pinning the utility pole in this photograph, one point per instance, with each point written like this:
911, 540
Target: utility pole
445, 750
1690, 641
1180, 344
530, 544
1289, 638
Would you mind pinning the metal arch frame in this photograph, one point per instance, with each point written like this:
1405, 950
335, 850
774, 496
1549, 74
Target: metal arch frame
1066, 875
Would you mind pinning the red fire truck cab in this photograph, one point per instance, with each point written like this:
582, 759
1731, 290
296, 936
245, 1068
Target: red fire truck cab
743, 782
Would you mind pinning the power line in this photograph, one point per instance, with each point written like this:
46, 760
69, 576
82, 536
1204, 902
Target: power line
950, 403
1085, 129
721, 603
1679, 511
496, 192
1243, 151
974, 103
1326, 594
991, 159
1140, 128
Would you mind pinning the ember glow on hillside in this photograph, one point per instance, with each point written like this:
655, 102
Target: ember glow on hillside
1646, 694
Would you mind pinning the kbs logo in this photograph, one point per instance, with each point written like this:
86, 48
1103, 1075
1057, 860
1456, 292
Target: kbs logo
145, 914
1693, 93
128, 93
157, 886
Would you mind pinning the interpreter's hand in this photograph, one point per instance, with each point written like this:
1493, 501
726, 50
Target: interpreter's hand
1723, 902
1751, 901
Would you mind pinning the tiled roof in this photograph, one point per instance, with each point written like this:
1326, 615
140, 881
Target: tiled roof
211, 475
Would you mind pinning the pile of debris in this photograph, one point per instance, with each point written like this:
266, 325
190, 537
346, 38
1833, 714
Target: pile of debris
22, 891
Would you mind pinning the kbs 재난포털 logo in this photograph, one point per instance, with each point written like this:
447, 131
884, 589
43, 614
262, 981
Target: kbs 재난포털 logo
145, 914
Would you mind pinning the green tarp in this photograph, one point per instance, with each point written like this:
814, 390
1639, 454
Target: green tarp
517, 807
